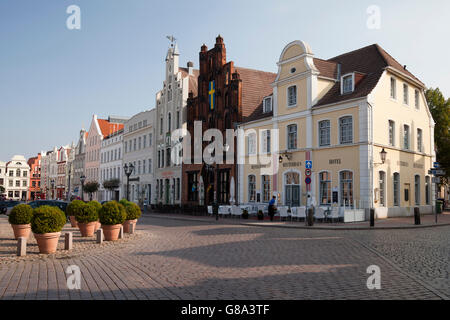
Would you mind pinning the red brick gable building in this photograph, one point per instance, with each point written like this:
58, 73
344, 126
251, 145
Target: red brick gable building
227, 95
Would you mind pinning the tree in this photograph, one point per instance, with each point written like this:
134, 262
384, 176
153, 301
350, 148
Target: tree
111, 185
90, 188
440, 110
2, 190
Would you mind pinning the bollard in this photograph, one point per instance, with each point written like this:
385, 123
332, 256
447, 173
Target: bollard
121, 232
372, 217
131, 228
100, 236
416, 216
310, 217
22, 246
68, 241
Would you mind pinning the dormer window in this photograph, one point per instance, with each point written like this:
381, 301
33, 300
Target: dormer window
347, 83
267, 104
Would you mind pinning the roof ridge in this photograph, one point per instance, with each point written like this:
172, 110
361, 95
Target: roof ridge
236, 67
353, 51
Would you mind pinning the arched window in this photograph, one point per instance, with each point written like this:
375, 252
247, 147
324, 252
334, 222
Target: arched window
325, 187
346, 130
266, 188
346, 183
417, 189
169, 122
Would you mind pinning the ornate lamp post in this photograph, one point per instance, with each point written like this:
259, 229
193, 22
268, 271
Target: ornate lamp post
82, 180
128, 169
383, 156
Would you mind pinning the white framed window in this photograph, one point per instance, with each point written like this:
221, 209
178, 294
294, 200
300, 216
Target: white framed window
396, 188
347, 83
417, 189
267, 105
251, 188
405, 94
265, 141
292, 96
419, 140
266, 188
406, 137
346, 188
251, 144
292, 137
393, 88
324, 133
346, 129
325, 188
391, 133
417, 99
382, 180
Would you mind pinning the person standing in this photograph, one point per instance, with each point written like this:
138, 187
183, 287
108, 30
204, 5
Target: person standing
272, 208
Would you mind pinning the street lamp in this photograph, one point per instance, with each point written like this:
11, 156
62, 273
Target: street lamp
68, 189
52, 182
128, 169
82, 180
383, 156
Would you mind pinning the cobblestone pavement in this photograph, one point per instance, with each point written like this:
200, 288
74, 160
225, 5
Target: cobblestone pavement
178, 259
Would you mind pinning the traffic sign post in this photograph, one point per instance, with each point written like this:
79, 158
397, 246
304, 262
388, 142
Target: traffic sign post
437, 173
308, 172
308, 164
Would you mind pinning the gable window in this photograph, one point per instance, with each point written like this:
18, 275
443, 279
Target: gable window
346, 129
391, 133
292, 96
347, 84
393, 88
267, 105
419, 140
405, 94
406, 137
416, 99
324, 133
292, 136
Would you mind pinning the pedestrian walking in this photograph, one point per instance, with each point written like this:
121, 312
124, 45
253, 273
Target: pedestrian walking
272, 208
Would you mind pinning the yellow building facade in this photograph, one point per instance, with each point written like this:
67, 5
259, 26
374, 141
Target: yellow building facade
341, 114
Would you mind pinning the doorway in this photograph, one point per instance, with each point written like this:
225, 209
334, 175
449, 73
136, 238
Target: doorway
292, 189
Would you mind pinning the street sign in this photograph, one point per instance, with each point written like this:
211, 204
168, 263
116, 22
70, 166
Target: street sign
308, 180
436, 172
308, 172
436, 180
436, 165
308, 164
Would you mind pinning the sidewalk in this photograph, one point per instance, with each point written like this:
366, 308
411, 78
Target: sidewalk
427, 221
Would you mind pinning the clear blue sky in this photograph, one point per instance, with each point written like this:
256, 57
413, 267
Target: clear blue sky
53, 79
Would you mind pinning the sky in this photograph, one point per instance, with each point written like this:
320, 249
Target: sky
53, 79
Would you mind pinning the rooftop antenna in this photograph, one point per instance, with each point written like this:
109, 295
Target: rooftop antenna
172, 40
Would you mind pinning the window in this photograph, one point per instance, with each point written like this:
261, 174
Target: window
265, 141
150, 136
134, 144
224, 186
149, 165
393, 88
144, 142
347, 84
324, 133
168, 157
11, 173
159, 159
406, 137
416, 99
11, 182
396, 189
292, 96
178, 119
382, 188
24, 173
292, 136
17, 183
346, 182
251, 144
419, 140
417, 189
144, 167
427, 190
169, 122
178, 189
267, 105
251, 188
405, 94
346, 130
266, 188
192, 186
1, 181
139, 143
161, 126
391, 133
18, 173
325, 188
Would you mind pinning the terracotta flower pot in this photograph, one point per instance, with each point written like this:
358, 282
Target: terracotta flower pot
73, 222
126, 225
87, 229
47, 242
111, 232
98, 225
21, 230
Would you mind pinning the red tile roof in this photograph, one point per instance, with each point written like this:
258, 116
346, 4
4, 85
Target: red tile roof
108, 128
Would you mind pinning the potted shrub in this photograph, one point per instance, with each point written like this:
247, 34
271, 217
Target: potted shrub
133, 213
245, 214
72, 209
97, 207
260, 215
47, 223
112, 216
20, 219
87, 219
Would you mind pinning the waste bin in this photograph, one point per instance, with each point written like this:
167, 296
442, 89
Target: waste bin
438, 206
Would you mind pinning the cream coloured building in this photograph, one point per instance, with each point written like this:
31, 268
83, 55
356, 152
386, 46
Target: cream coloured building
341, 113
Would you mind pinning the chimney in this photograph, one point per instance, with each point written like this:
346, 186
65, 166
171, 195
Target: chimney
190, 66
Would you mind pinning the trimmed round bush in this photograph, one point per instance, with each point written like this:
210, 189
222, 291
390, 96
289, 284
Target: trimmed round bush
74, 207
95, 204
88, 213
47, 219
124, 202
112, 213
21, 214
133, 211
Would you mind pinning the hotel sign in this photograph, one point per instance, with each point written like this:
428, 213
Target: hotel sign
334, 161
292, 164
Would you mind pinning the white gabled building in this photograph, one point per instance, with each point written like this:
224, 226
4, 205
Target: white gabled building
171, 115
138, 142
17, 177
111, 155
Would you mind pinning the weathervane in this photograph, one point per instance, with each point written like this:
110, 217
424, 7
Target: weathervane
172, 39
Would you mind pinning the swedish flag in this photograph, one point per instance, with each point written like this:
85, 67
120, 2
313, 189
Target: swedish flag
212, 94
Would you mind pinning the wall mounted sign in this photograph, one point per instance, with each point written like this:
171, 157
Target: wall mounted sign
292, 164
334, 161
